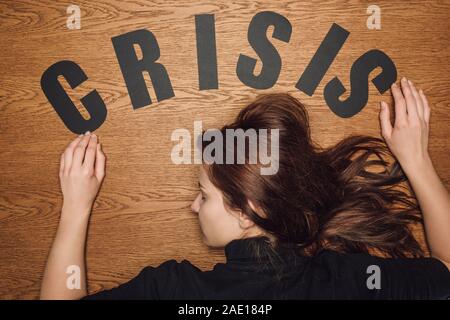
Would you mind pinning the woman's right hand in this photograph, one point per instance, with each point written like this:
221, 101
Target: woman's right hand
408, 138
81, 173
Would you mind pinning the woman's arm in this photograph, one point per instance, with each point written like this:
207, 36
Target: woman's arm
434, 201
408, 141
81, 173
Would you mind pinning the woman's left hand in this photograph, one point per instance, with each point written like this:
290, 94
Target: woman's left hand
81, 173
408, 138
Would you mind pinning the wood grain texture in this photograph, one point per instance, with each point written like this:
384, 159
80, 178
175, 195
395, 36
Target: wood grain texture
142, 214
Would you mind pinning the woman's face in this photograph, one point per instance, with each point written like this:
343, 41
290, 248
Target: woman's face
219, 225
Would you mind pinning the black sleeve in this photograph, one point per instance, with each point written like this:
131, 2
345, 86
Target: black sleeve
406, 278
151, 283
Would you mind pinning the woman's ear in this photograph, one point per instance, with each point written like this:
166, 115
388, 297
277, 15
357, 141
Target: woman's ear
244, 221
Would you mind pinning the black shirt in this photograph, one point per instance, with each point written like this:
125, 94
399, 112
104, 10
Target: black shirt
328, 275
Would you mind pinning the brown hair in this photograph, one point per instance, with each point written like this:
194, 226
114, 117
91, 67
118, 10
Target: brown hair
320, 198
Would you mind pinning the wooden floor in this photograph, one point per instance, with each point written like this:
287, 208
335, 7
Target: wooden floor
142, 215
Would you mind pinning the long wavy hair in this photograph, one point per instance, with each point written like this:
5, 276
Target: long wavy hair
320, 198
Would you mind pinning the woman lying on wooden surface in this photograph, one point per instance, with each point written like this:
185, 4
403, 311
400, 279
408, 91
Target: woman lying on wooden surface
321, 227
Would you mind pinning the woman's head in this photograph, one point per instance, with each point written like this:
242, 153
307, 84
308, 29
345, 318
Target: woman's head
318, 198
218, 223
279, 197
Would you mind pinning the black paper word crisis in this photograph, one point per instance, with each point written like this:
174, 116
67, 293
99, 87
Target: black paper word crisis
133, 70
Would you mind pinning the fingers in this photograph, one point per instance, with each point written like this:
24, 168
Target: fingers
417, 98
385, 121
68, 153
84, 152
80, 151
426, 107
411, 107
100, 163
410, 104
61, 165
91, 151
400, 105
